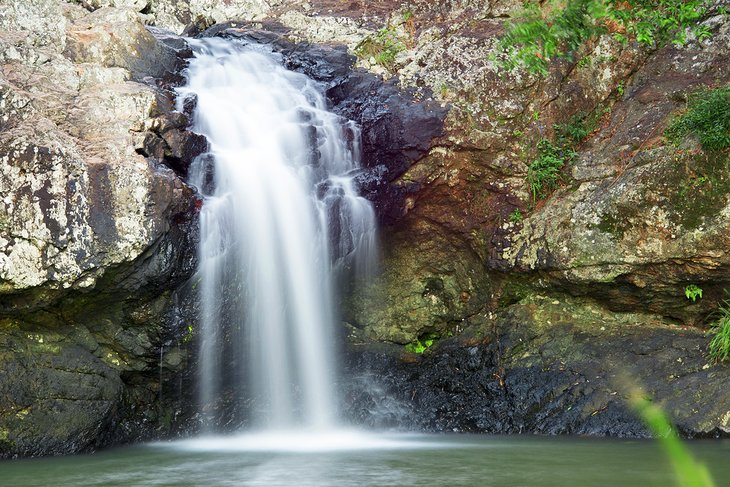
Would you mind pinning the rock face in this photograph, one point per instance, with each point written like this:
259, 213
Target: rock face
627, 231
93, 236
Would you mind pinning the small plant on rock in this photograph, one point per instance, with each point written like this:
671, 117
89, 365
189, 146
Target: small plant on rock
579, 126
543, 174
422, 343
515, 216
693, 292
388, 42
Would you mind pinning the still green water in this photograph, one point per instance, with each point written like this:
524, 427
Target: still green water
423, 460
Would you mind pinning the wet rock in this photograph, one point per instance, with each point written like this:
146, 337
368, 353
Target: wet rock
182, 147
397, 129
422, 289
546, 368
55, 395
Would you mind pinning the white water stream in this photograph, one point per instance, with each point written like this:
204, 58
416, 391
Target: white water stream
281, 217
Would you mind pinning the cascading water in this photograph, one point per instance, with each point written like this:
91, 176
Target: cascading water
281, 217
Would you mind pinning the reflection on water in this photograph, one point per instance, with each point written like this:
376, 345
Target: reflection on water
380, 460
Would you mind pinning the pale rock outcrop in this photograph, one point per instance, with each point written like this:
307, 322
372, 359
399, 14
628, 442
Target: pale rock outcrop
176, 15
76, 197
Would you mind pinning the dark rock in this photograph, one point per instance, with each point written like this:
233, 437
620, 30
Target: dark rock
176, 43
57, 395
189, 104
183, 147
556, 380
154, 146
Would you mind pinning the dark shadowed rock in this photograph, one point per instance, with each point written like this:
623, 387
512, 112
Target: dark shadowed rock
519, 375
94, 239
182, 147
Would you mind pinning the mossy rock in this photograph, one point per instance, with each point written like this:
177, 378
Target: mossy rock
426, 286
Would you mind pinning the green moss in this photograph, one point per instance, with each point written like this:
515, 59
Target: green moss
615, 227
691, 188
6, 444
513, 291
703, 189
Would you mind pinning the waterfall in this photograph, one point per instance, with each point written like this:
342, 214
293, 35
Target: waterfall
281, 223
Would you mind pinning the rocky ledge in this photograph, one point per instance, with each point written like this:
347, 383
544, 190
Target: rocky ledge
93, 236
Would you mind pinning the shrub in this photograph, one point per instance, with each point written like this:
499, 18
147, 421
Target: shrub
537, 39
707, 118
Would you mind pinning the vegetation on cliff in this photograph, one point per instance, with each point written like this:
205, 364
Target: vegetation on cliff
559, 30
707, 118
719, 348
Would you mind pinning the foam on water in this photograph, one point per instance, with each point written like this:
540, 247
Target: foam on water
310, 442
